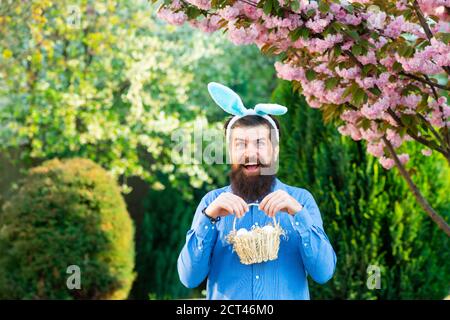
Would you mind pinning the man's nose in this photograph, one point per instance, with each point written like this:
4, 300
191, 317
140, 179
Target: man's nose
251, 152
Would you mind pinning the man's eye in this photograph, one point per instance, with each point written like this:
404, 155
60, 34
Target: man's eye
240, 144
260, 143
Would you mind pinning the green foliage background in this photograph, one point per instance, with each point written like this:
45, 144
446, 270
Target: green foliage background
369, 214
66, 213
115, 88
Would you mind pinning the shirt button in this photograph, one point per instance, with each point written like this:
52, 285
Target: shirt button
296, 223
199, 247
212, 227
206, 227
305, 244
257, 277
256, 223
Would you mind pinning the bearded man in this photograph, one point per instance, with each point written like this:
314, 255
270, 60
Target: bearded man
252, 138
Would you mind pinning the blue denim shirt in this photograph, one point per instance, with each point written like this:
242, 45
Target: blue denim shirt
305, 250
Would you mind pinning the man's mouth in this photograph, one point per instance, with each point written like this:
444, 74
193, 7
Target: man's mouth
252, 167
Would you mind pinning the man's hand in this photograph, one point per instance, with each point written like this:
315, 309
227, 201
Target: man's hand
279, 200
227, 203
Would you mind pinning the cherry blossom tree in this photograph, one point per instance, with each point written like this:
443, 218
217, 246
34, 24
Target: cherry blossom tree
378, 69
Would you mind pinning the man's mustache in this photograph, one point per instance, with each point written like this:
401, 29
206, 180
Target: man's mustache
257, 162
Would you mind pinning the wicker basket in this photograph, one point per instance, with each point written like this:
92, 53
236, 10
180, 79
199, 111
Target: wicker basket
260, 244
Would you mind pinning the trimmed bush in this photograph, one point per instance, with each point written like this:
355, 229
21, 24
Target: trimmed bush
65, 213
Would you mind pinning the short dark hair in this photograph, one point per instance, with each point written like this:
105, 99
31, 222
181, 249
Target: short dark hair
253, 121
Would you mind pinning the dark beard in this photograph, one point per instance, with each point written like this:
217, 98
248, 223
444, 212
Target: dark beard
252, 187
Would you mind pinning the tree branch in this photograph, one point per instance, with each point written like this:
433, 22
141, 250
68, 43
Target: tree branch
425, 81
447, 137
419, 197
425, 26
419, 139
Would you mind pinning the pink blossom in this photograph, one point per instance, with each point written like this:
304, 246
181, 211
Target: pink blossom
365, 82
394, 138
351, 19
252, 12
229, 12
426, 152
430, 60
175, 18
440, 111
202, 4
289, 72
323, 68
320, 46
401, 4
373, 133
208, 24
318, 25
441, 26
350, 130
376, 20
394, 28
387, 163
435, 7
348, 74
242, 35
347, 45
335, 96
388, 61
375, 110
404, 158
312, 102
376, 149
368, 58
411, 100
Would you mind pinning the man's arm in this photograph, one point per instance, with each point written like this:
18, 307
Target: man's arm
194, 259
318, 255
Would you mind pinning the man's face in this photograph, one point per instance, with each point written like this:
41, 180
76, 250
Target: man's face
252, 149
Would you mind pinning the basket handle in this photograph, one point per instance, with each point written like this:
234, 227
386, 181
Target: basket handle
251, 204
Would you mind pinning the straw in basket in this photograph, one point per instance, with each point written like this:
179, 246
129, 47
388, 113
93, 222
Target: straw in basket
260, 244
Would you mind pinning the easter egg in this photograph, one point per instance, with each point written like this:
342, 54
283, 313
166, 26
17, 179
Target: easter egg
241, 232
268, 229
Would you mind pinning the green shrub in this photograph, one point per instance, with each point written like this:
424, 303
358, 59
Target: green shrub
161, 236
369, 214
66, 213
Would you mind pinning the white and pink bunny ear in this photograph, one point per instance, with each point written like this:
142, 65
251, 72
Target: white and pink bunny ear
227, 99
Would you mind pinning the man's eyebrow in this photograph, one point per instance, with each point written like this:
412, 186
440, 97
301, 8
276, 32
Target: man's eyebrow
239, 139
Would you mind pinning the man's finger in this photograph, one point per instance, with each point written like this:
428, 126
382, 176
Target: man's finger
266, 199
236, 208
273, 203
270, 202
225, 205
279, 206
241, 203
229, 200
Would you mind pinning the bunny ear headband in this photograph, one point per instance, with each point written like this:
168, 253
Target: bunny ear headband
231, 103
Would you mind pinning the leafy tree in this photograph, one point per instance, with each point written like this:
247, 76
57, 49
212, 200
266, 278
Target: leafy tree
378, 69
369, 215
